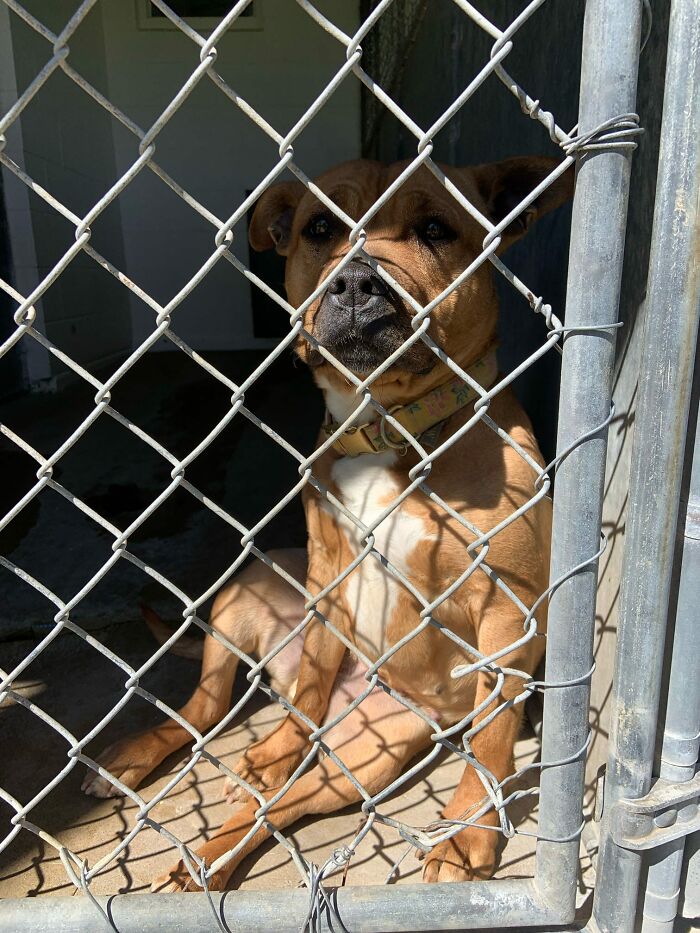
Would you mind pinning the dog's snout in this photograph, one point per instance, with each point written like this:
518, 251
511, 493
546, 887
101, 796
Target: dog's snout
360, 319
356, 286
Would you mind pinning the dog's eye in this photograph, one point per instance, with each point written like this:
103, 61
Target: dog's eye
319, 228
434, 229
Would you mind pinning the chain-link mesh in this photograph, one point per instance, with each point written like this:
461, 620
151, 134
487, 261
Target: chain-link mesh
457, 737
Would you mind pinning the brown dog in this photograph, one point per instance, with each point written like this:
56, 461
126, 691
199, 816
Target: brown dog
424, 239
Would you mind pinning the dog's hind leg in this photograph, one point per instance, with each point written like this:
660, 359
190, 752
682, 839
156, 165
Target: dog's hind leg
374, 742
255, 612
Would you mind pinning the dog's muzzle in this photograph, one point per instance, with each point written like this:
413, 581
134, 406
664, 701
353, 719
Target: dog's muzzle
360, 319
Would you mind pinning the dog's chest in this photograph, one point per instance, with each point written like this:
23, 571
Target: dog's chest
366, 487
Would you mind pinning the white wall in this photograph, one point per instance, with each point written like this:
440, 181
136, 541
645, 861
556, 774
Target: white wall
64, 142
35, 364
215, 152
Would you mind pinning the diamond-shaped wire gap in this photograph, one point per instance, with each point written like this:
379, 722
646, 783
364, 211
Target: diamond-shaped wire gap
40, 487
171, 682
119, 476
67, 144
86, 319
35, 792
64, 549
207, 44
237, 67
154, 220
433, 109
206, 132
262, 472
65, 696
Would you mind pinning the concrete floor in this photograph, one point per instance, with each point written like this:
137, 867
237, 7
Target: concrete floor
176, 402
77, 686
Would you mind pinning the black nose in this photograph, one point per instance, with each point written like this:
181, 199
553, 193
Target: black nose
356, 286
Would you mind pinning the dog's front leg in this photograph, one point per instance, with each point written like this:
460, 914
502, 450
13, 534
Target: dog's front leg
268, 763
471, 853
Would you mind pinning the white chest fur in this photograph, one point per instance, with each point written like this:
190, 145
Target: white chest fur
366, 487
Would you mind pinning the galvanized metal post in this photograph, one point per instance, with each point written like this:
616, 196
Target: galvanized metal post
668, 352
608, 89
681, 741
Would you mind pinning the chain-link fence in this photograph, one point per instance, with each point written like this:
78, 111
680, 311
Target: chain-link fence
367, 610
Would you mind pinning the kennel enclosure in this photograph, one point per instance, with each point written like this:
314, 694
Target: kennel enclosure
638, 811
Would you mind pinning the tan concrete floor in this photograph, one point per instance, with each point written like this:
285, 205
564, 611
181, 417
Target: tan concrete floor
72, 683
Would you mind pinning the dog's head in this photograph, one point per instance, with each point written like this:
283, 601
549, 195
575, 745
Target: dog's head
421, 236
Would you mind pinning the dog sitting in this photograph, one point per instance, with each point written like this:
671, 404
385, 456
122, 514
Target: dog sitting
424, 239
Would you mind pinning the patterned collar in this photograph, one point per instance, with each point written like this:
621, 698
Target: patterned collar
422, 418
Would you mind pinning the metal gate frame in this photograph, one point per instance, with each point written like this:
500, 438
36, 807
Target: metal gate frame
637, 817
608, 90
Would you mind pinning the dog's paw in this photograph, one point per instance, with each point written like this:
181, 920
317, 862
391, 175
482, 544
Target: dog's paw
94, 785
178, 880
118, 759
468, 856
260, 773
268, 764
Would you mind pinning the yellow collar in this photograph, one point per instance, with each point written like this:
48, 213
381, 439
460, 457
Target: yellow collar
417, 417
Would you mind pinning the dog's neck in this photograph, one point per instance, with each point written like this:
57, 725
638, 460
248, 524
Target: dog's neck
355, 430
389, 390
341, 402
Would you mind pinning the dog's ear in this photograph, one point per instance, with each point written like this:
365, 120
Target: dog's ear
271, 223
503, 185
